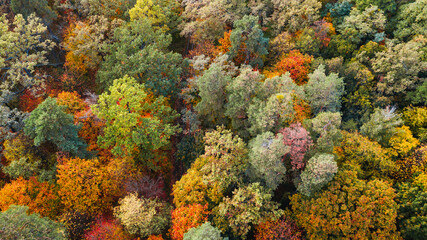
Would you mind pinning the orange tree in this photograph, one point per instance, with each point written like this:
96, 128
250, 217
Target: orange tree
88, 186
187, 217
296, 63
40, 197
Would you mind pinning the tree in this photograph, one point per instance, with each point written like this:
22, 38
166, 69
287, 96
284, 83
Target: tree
294, 15
73, 102
140, 51
137, 124
283, 228
89, 187
274, 106
387, 6
411, 198
349, 208
416, 119
187, 217
163, 14
411, 18
106, 8
240, 93
324, 92
23, 50
299, 142
265, 159
361, 26
106, 229
399, 67
367, 157
31, 226
382, 124
249, 205
247, 33
40, 197
203, 232
212, 91
320, 170
325, 129
40, 7
296, 63
402, 142
141, 216
49, 123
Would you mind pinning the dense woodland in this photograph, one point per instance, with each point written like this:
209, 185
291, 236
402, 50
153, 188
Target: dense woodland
213, 119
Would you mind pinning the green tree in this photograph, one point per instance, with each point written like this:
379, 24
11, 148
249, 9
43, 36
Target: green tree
386, 5
320, 170
247, 34
412, 200
381, 125
107, 8
212, 91
324, 92
49, 123
140, 51
203, 232
138, 124
30, 227
265, 159
349, 209
23, 49
412, 17
399, 68
249, 205
294, 15
40, 7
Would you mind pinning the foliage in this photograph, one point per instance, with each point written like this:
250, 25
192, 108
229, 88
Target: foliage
247, 33
412, 200
49, 123
349, 208
324, 92
249, 205
212, 85
416, 119
413, 164
106, 229
106, 8
382, 125
40, 7
412, 17
265, 159
294, 15
76, 224
363, 25
88, 186
402, 142
320, 170
141, 216
399, 67
162, 13
203, 232
31, 226
23, 50
73, 102
299, 141
325, 127
367, 157
146, 187
187, 217
137, 124
140, 51
385, 5
40, 197
297, 64
284, 228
